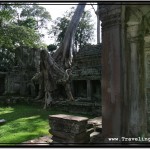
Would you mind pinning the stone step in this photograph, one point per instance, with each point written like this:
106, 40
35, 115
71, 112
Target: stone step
95, 137
95, 123
98, 128
89, 131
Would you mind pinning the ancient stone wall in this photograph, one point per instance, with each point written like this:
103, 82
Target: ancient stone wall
87, 64
18, 80
123, 73
86, 73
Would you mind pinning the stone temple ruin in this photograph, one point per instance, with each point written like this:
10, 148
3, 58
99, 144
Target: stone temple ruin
85, 80
125, 71
86, 74
85, 86
17, 82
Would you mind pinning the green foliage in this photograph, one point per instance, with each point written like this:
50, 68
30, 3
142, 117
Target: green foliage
39, 13
84, 32
29, 22
51, 47
24, 122
19, 27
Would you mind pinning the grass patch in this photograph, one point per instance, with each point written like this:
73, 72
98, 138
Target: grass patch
24, 123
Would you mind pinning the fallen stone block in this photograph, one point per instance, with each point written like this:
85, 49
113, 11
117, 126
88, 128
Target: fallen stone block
96, 121
68, 123
70, 137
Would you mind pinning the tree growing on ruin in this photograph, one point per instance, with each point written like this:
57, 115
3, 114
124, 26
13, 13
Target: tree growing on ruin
56, 68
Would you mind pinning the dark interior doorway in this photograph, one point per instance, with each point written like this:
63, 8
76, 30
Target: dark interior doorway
2, 84
96, 90
80, 88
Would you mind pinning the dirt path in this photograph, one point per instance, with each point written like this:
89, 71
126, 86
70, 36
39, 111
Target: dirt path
44, 140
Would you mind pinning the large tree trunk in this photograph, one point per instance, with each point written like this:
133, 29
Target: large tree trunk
64, 53
54, 70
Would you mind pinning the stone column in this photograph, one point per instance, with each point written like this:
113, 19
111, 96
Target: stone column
147, 68
136, 80
111, 70
123, 95
88, 89
147, 75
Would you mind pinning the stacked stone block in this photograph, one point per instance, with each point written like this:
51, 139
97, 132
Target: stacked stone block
68, 129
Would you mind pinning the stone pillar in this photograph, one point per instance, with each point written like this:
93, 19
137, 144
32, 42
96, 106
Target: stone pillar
111, 70
123, 79
68, 129
147, 69
136, 80
88, 89
147, 75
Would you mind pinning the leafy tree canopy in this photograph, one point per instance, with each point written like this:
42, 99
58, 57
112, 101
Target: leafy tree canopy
84, 33
19, 26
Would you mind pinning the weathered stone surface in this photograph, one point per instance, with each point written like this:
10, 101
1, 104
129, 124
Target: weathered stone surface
68, 123
70, 137
111, 71
95, 137
79, 107
89, 126
58, 140
91, 130
86, 75
98, 128
18, 80
97, 121
123, 74
86, 64
68, 129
